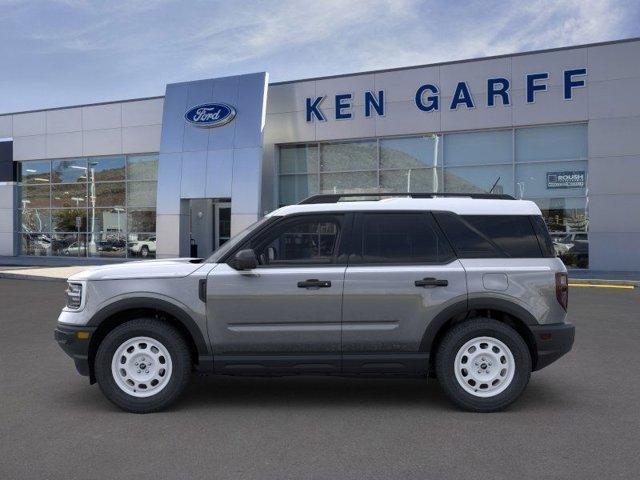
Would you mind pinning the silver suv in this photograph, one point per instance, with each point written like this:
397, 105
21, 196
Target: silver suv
465, 288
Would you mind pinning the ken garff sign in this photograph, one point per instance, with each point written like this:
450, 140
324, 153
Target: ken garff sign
210, 115
427, 96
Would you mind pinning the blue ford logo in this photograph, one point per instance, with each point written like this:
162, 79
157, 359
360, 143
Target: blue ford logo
210, 115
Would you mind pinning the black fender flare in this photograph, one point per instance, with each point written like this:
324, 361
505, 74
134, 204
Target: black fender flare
463, 307
153, 303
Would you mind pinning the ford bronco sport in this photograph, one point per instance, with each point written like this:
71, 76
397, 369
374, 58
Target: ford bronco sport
465, 288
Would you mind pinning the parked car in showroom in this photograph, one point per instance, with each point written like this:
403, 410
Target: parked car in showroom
144, 248
466, 288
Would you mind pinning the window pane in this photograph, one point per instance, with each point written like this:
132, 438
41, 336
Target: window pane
106, 168
478, 148
479, 179
294, 188
303, 242
564, 215
35, 244
566, 179
142, 194
351, 182
69, 245
110, 223
142, 245
143, 220
337, 157
298, 159
35, 220
109, 194
35, 172
407, 153
69, 171
104, 244
414, 180
69, 195
559, 142
64, 220
513, 234
142, 167
34, 196
400, 237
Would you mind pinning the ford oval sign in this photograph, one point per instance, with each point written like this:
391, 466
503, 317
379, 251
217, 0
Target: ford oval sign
210, 115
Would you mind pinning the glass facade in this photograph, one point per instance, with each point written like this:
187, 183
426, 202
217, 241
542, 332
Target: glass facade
546, 164
89, 207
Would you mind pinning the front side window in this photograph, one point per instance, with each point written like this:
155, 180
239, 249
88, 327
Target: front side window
399, 238
312, 240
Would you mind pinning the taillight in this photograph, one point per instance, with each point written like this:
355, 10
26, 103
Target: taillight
562, 289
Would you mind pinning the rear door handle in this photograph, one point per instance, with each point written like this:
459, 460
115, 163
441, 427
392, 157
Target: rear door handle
314, 283
431, 282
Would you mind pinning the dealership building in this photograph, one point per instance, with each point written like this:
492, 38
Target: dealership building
179, 174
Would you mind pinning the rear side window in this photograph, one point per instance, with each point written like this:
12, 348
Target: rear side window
544, 239
488, 236
399, 238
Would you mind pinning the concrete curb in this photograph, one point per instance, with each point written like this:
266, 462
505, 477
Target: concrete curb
23, 276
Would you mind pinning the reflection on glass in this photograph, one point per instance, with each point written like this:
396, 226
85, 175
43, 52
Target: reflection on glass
69, 195
298, 159
69, 171
68, 245
34, 196
349, 182
38, 244
344, 157
412, 180
414, 152
104, 244
142, 245
142, 167
478, 148
109, 194
35, 171
532, 179
65, 220
141, 194
143, 220
106, 169
558, 142
35, 220
479, 179
294, 188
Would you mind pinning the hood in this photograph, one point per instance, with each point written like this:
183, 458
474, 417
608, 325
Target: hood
166, 268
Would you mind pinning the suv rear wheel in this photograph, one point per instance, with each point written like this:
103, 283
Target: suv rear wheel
143, 365
483, 365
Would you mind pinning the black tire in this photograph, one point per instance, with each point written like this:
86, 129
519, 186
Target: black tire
177, 348
456, 338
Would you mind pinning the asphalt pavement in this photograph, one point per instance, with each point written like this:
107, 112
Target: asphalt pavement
579, 418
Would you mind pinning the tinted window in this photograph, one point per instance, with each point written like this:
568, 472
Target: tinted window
400, 238
481, 236
312, 240
544, 239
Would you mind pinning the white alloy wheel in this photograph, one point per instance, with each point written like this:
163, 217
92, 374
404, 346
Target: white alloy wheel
484, 367
141, 367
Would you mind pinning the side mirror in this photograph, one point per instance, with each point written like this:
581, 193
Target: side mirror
245, 260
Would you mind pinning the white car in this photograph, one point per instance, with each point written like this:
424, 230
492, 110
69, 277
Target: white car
143, 247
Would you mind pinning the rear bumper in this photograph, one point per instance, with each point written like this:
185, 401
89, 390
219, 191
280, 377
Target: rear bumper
74, 345
552, 342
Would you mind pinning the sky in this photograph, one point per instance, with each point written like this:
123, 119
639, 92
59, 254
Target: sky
69, 52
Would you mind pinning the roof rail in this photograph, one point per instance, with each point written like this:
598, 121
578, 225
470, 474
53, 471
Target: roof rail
336, 197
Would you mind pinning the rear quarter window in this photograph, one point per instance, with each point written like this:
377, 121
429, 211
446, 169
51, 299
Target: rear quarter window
491, 236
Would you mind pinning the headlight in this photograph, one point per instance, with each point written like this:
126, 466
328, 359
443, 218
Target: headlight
74, 295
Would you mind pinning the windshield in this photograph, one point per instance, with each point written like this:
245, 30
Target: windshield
236, 240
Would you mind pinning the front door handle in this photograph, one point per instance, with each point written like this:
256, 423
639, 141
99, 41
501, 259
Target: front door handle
314, 283
431, 282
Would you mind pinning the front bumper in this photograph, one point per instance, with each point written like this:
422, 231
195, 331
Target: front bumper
75, 343
552, 342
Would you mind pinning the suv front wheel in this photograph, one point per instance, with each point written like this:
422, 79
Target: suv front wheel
143, 365
483, 365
